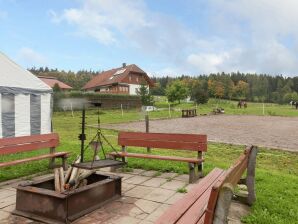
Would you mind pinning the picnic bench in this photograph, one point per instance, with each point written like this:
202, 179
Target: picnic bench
31, 143
190, 142
189, 113
209, 200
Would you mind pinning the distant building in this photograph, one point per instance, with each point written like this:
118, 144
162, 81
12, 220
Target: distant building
124, 80
51, 81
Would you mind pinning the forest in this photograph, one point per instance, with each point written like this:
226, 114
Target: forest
251, 87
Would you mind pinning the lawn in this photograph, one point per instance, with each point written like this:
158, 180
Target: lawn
276, 175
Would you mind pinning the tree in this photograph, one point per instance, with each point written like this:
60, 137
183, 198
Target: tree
198, 91
176, 91
56, 88
146, 97
241, 89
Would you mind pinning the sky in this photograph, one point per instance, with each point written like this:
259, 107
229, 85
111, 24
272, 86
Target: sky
163, 37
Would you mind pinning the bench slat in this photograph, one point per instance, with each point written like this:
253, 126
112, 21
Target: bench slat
28, 147
163, 144
150, 156
164, 136
177, 210
15, 162
28, 139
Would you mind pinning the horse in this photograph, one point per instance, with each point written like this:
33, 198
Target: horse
294, 103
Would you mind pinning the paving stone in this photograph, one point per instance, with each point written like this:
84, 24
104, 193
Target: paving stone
174, 198
159, 195
136, 180
173, 185
157, 213
168, 175
126, 186
150, 173
4, 215
9, 208
127, 200
183, 177
147, 206
6, 193
125, 175
124, 220
134, 171
7, 201
146, 222
139, 191
154, 182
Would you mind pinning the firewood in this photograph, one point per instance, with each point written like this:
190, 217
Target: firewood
82, 176
57, 180
67, 175
83, 183
62, 181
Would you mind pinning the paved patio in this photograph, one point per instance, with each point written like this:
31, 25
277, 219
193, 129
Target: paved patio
145, 196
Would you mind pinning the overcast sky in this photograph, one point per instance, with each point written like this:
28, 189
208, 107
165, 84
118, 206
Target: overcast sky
163, 37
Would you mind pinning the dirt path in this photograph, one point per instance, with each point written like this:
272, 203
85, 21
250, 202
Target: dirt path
268, 131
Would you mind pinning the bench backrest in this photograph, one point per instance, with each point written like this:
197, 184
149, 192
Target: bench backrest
28, 143
192, 142
231, 176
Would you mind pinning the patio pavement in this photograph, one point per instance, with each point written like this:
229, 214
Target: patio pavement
145, 196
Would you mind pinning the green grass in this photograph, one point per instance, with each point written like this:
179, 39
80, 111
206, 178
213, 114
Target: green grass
276, 174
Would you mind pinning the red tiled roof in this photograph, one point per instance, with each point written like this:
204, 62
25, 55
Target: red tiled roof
51, 81
104, 78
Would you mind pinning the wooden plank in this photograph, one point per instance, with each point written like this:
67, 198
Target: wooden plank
176, 211
163, 144
164, 136
28, 139
28, 147
15, 162
150, 156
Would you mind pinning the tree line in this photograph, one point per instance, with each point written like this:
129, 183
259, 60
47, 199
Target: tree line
236, 86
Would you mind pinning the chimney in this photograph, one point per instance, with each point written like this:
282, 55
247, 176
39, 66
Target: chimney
123, 65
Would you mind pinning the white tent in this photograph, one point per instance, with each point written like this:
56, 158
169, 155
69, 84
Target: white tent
25, 101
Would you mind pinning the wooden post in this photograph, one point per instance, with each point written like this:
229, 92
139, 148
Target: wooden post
223, 204
250, 179
147, 129
52, 160
200, 165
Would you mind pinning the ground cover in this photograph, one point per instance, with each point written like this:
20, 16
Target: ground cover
277, 172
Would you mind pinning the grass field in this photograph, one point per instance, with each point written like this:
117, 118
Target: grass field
276, 175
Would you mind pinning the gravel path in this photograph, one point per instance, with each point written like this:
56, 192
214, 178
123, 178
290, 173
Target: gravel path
268, 131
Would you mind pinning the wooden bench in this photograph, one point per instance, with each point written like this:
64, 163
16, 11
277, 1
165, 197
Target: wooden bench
189, 113
31, 143
189, 142
209, 200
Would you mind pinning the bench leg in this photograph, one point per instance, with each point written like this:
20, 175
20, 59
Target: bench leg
193, 173
201, 165
52, 160
64, 163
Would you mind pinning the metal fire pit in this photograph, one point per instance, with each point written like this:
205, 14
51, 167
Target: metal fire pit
39, 201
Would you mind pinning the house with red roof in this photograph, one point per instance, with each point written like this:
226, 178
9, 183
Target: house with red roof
123, 80
52, 81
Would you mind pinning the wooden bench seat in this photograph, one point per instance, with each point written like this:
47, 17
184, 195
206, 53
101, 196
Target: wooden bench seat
209, 200
32, 143
188, 142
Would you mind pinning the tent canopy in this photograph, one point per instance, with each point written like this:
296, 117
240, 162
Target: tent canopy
14, 79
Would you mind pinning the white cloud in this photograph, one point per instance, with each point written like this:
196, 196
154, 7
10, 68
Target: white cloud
31, 58
244, 35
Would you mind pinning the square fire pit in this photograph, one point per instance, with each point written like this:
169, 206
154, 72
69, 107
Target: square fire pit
38, 200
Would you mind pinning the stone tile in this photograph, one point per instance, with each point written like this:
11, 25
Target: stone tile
6, 193
7, 201
134, 171
150, 173
157, 213
173, 185
126, 186
125, 175
127, 200
125, 220
183, 177
174, 198
168, 175
159, 195
9, 208
4, 215
139, 191
154, 182
146, 222
147, 206
136, 180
